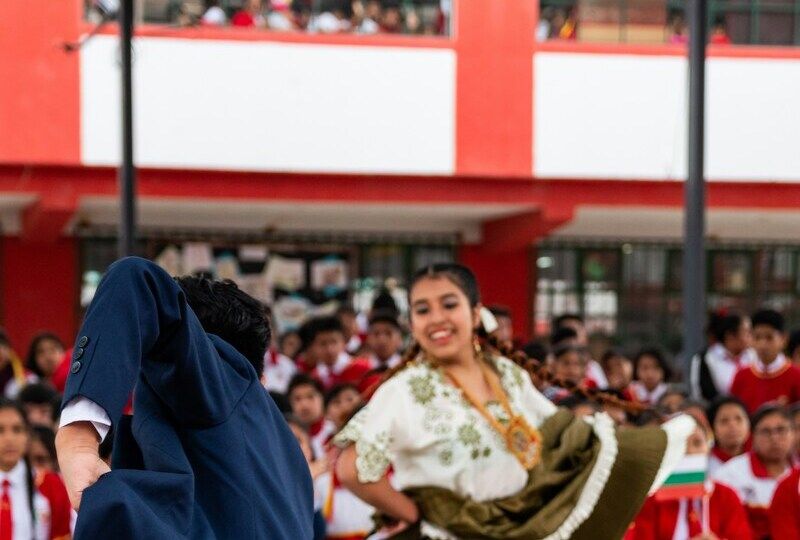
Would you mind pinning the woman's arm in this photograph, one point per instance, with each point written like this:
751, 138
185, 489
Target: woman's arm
379, 494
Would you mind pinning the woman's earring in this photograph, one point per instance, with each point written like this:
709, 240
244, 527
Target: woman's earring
476, 344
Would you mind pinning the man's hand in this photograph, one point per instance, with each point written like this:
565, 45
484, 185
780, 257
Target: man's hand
77, 446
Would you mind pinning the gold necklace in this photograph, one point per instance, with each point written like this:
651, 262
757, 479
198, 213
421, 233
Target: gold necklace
523, 440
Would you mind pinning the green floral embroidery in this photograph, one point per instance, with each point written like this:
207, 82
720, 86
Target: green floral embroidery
446, 457
438, 421
511, 374
469, 435
372, 460
422, 389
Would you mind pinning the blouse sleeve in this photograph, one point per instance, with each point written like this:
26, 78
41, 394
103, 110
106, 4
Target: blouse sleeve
378, 431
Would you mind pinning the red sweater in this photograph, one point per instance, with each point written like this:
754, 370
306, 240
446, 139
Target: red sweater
784, 513
727, 517
52, 488
755, 387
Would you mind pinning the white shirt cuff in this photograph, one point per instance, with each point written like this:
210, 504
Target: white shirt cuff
83, 409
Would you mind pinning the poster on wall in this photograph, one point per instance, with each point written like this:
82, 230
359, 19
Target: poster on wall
329, 275
286, 274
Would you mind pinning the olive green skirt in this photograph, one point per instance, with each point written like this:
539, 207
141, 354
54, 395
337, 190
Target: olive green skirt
589, 485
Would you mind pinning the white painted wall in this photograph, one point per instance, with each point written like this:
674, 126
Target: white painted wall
264, 106
624, 116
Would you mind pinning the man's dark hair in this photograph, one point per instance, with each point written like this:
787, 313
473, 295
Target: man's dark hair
722, 401
229, 313
794, 342
47, 437
319, 325
535, 350
724, 325
338, 390
38, 394
559, 321
30, 362
301, 379
385, 302
769, 317
562, 334
768, 410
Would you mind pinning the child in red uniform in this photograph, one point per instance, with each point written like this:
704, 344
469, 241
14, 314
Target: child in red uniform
683, 519
31, 505
306, 400
324, 346
731, 425
784, 512
755, 475
771, 377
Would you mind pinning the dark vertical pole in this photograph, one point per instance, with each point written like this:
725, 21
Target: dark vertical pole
127, 173
694, 256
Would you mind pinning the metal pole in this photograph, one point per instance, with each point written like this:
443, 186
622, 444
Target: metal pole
127, 173
694, 256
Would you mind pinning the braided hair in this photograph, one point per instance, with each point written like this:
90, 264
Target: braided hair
540, 374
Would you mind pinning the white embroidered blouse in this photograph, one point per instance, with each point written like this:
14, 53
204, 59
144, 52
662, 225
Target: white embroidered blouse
421, 424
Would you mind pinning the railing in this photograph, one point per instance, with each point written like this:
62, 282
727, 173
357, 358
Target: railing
745, 22
412, 17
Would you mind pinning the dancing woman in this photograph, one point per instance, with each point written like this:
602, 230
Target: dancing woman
477, 452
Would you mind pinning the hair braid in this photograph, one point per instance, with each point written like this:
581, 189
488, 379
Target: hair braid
541, 375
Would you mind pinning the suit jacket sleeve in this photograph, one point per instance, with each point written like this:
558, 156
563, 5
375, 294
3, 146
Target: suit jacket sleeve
140, 330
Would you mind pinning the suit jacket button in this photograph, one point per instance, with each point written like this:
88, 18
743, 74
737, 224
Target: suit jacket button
76, 367
83, 341
78, 353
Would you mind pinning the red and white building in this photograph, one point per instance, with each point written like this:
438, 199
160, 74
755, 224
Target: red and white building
553, 169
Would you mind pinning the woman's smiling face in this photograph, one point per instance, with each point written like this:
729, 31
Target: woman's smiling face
442, 321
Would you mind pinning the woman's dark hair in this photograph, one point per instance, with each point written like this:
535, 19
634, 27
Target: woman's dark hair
338, 390
768, 317
41, 337
719, 403
768, 410
8, 404
660, 359
47, 437
286, 335
301, 379
229, 313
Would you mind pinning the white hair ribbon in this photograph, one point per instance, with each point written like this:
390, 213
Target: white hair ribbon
488, 320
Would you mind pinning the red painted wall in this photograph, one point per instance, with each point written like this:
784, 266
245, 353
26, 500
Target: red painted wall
39, 283
504, 278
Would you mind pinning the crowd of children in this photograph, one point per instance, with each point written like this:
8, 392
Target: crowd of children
743, 390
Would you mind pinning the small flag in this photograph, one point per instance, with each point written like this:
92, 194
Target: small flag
686, 481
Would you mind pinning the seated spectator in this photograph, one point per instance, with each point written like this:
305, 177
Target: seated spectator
569, 369
334, 19
280, 16
575, 322
672, 400
392, 18
289, 344
214, 15
278, 371
39, 402
731, 425
784, 512
677, 32
362, 22
13, 375
712, 373
324, 348
651, 373
45, 356
719, 34
771, 377
42, 450
305, 396
301, 14
384, 341
683, 518
755, 474
618, 369
340, 403
39, 504
569, 29
250, 15
793, 348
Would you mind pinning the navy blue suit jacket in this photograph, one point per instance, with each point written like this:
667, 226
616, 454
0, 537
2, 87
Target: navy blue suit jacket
207, 454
